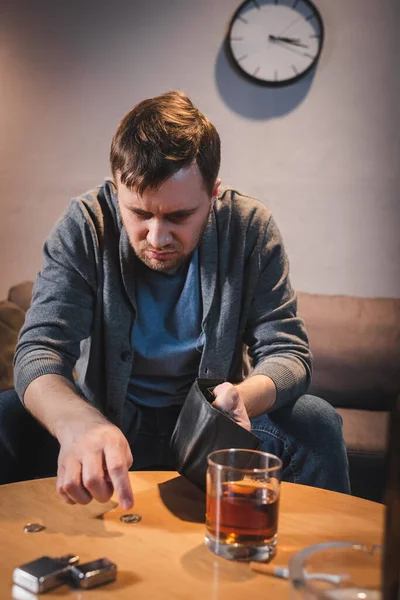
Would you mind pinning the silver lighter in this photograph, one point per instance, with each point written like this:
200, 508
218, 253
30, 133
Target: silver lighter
44, 573
93, 573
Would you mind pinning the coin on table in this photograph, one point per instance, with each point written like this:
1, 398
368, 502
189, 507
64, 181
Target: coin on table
130, 518
33, 527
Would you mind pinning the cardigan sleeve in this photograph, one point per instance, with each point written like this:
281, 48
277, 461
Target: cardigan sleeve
276, 338
61, 312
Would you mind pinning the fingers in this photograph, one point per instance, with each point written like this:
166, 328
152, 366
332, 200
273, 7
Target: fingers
69, 482
117, 463
129, 459
226, 397
64, 496
94, 478
94, 463
59, 485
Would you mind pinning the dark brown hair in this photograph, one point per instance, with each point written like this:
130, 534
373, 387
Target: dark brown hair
159, 137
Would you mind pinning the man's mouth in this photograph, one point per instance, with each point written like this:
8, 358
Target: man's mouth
160, 255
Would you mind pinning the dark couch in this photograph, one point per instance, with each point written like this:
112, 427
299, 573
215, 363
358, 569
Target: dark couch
356, 348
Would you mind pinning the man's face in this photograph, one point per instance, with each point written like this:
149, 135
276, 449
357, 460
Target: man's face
165, 225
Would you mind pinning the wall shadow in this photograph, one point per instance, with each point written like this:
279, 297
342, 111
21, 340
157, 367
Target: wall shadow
252, 100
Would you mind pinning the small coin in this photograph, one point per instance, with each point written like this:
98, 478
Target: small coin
33, 527
130, 518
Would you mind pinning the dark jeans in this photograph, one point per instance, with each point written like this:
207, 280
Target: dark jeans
307, 437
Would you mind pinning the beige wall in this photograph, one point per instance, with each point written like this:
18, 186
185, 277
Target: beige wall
324, 154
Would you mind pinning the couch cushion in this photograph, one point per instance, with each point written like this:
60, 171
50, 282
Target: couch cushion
21, 294
356, 348
365, 430
11, 320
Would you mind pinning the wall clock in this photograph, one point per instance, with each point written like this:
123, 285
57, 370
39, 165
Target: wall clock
275, 42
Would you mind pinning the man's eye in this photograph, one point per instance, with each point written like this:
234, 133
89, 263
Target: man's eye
141, 216
177, 218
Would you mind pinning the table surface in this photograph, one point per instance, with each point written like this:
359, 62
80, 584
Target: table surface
164, 556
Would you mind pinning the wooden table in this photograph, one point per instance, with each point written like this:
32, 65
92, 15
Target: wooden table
164, 555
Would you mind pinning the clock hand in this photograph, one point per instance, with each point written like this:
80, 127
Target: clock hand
291, 48
284, 39
291, 24
295, 42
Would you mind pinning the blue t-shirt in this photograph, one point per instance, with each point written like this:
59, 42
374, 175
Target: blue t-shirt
167, 340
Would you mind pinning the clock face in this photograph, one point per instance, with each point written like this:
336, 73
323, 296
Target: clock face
275, 42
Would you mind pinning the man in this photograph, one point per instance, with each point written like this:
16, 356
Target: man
154, 278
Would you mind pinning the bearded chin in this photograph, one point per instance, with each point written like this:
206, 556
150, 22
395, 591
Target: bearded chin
175, 264
161, 266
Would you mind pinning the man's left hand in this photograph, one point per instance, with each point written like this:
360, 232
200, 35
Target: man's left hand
228, 399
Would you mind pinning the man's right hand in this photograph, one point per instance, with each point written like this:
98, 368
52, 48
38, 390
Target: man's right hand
93, 463
95, 456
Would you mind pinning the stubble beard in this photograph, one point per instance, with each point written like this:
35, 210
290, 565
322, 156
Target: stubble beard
173, 265
164, 266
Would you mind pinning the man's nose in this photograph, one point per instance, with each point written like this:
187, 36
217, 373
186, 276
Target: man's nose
158, 235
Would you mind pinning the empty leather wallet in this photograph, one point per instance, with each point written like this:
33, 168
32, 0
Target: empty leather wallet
201, 429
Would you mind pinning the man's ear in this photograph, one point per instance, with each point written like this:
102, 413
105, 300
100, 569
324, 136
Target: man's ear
215, 191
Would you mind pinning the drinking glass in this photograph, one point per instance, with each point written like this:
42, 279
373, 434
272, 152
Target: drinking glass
243, 488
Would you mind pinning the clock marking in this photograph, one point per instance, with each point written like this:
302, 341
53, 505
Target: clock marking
310, 17
276, 75
236, 39
256, 71
256, 4
242, 19
308, 55
315, 35
295, 3
243, 57
294, 69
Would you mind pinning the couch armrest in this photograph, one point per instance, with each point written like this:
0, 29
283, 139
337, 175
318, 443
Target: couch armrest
11, 320
21, 294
